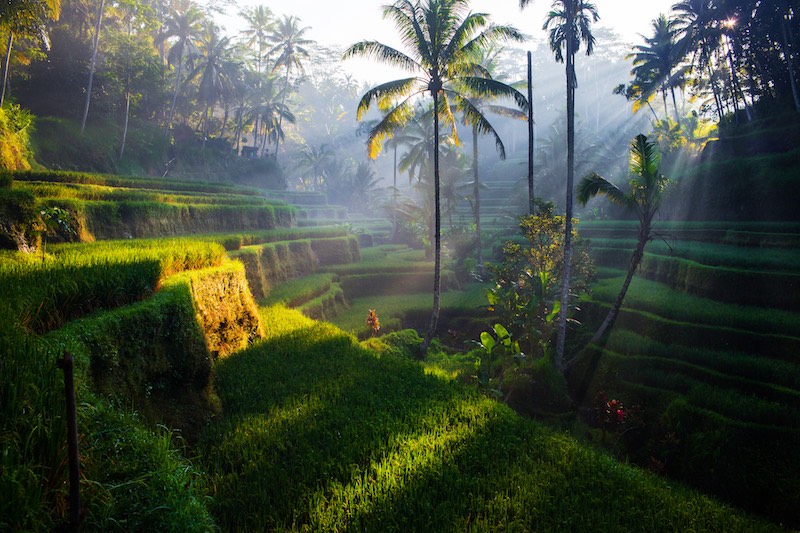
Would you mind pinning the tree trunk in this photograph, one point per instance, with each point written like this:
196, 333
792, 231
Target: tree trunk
714, 90
127, 116
476, 192
531, 197
280, 117
394, 196
93, 64
787, 51
178, 75
636, 258
675, 106
737, 88
571, 82
6, 67
437, 236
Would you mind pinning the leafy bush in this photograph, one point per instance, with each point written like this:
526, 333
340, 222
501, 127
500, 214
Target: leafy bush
16, 124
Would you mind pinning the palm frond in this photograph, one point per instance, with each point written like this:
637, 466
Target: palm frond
383, 53
593, 184
487, 87
491, 35
393, 121
474, 117
386, 91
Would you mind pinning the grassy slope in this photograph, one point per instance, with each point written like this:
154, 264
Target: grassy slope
715, 380
322, 433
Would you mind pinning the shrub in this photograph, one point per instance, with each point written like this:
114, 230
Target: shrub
15, 125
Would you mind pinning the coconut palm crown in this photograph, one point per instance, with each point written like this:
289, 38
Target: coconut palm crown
443, 39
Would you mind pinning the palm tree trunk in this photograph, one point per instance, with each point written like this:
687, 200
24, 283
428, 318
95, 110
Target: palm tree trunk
531, 197
787, 51
127, 116
93, 64
9, 44
178, 74
437, 236
675, 106
714, 90
476, 192
283, 105
570, 59
394, 196
737, 88
636, 258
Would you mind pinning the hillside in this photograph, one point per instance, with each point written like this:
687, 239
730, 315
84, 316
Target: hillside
283, 422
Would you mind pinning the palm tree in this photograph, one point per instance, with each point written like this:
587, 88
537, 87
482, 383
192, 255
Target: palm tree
212, 65
694, 19
260, 23
441, 36
290, 45
268, 113
569, 24
185, 27
314, 162
27, 16
647, 186
655, 61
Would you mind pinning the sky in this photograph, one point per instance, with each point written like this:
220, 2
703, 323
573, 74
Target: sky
346, 22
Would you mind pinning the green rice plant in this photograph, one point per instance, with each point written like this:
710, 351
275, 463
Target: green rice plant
394, 308
321, 434
135, 477
32, 436
385, 283
296, 292
336, 250
660, 299
326, 305
684, 333
74, 191
759, 368
79, 280
711, 254
735, 397
138, 182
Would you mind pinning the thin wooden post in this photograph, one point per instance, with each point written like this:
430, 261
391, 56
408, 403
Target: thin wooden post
66, 364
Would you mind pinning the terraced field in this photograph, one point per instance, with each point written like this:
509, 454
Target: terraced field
706, 345
288, 423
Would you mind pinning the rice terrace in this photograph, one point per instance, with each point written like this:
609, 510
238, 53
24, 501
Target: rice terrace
422, 265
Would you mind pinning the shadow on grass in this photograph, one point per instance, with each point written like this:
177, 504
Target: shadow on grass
321, 434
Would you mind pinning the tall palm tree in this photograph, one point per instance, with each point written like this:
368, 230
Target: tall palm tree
655, 62
268, 113
694, 19
212, 65
441, 37
569, 24
289, 44
647, 186
259, 25
185, 27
